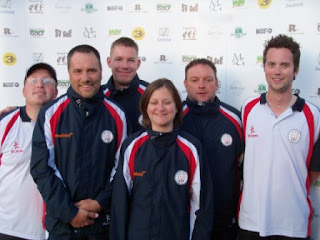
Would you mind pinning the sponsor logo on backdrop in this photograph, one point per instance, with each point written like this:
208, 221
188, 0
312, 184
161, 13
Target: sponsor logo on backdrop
163, 59
62, 58
189, 8
238, 3
216, 60
295, 91
216, 32
317, 68
6, 6
189, 33
137, 8
188, 58
142, 58
238, 32
164, 34
37, 32
37, 57
36, 6
63, 83
219, 87
63, 33
264, 4
163, 7
9, 58
262, 88
89, 32
259, 61
114, 32
293, 3
89, 8
294, 29
238, 59
138, 33
114, 8
263, 30
63, 6
10, 84
7, 32
215, 5
237, 88
316, 94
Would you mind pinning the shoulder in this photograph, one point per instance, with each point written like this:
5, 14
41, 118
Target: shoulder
143, 83
61, 101
133, 138
312, 107
229, 108
251, 100
10, 114
189, 138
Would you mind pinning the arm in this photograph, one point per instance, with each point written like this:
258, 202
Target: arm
314, 169
313, 177
7, 109
104, 197
47, 176
204, 216
120, 200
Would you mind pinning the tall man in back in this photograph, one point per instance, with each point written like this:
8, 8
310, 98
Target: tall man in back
75, 145
21, 205
218, 127
280, 131
125, 86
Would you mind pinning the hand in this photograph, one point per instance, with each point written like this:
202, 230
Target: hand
89, 205
83, 218
7, 109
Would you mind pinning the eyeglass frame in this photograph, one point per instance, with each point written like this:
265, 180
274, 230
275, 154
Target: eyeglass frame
45, 81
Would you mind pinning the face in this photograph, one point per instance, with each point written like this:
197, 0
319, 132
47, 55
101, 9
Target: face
161, 110
201, 83
39, 92
85, 74
124, 64
279, 70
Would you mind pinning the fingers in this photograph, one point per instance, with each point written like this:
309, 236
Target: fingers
92, 215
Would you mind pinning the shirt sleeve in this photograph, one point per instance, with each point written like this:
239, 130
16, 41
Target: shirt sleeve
45, 175
204, 215
120, 202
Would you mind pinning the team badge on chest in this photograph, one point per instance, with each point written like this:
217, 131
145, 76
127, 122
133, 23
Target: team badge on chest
294, 136
107, 136
181, 177
226, 139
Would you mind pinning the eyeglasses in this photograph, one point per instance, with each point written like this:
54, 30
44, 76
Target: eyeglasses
45, 81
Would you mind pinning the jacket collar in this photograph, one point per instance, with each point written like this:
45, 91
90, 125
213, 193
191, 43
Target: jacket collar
204, 107
133, 86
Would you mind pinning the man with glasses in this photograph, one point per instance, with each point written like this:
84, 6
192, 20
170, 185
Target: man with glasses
21, 205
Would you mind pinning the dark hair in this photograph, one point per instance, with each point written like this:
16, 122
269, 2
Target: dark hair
124, 41
83, 49
144, 101
45, 66
283, 41
202, 61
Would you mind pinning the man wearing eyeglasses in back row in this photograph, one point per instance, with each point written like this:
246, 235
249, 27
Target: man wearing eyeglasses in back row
21, 205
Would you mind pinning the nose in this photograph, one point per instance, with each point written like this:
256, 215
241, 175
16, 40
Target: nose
201, 83
277, 70
39, 83
161, 106
124, 64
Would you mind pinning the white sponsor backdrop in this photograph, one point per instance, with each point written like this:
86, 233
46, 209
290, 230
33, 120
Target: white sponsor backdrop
169, 33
